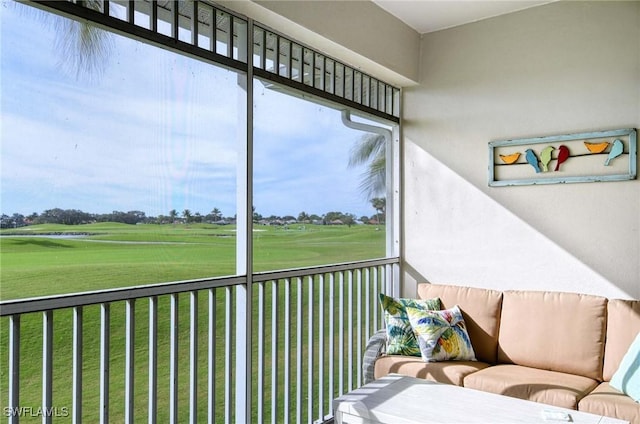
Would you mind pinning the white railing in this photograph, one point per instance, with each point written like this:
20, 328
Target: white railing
165, 353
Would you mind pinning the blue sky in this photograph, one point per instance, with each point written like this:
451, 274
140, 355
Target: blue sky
156, 131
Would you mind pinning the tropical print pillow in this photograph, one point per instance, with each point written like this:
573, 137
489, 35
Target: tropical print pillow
442, 335
400, 337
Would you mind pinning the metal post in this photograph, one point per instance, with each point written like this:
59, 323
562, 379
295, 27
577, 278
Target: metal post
47, 364
14, 366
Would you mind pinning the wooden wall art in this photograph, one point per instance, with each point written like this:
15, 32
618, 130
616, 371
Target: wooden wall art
570, 158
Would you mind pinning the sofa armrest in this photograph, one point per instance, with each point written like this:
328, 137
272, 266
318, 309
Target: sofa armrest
376, 346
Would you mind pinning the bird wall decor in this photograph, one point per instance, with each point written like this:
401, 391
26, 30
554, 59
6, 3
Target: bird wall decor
616, 150
532, 159
545, 157
563, 155
595, 156
596, 147
511, 158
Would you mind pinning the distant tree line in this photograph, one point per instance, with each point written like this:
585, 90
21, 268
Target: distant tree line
78, 217
72, 217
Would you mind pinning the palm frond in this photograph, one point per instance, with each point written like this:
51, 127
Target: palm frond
84, 48
370, 150
367, 148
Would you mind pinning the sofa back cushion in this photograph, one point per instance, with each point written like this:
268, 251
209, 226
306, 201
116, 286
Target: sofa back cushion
555, 331
623, 324
480, 310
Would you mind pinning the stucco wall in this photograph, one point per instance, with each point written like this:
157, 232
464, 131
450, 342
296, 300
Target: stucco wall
560, 68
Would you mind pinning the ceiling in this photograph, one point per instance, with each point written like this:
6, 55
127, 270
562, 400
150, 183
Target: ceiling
432, 15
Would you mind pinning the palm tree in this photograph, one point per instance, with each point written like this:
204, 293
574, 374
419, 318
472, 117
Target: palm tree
303, 216
187, 215
370, 150
379, 204
216, 214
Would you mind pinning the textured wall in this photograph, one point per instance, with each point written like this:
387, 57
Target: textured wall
560, 68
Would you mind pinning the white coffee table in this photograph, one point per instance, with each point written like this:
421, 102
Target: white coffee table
397, 399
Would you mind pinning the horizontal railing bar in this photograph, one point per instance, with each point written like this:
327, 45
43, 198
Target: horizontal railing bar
45, 303
290, 273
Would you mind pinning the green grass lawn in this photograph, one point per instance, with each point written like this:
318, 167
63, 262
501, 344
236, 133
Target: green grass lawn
119, 255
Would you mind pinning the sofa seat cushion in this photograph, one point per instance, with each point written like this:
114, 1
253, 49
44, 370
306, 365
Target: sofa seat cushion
544, 386
607, 401
449, 372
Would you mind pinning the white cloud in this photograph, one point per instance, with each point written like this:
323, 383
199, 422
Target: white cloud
158, 131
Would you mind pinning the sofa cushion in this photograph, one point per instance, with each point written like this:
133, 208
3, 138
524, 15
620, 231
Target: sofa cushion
623, 323
400, 337
441, 335
562, 332
607, 401
480, 309
449, 372
550, 387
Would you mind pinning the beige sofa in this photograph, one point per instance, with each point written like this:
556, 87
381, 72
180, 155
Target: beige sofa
555, 348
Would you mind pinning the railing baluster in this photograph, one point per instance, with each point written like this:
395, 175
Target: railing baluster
331, 334
376, 292
359, 328
76, 408
320, 347
173, 360
230, 37
129, 361
105, 339
175, 27
14, 366
260, 358
367, 304
193, 358
154, 16
131, 11
214, 28
152, 413
350, 331
194, 24
287, 348
47, 364
274, 351
299, 324
341, 390
310, 350
227, 355
382, 281
211, 370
